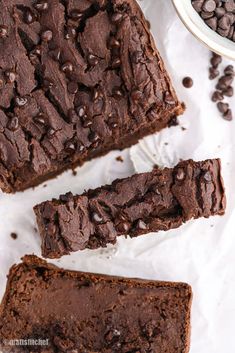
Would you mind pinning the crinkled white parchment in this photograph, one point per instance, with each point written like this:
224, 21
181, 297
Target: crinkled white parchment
201, 252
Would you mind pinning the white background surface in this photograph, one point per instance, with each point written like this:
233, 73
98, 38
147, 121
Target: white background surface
201, 252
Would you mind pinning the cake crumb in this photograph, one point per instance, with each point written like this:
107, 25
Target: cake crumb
120, 159
74, 173
14, 235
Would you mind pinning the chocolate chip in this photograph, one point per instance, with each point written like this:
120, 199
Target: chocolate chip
223, 107
29, 17
168, 98
72, 87
21, 101
224, 82
55, 54
205, 15
40, 119
3, 32
228, 115
67, 67
41, 5
114, 43
216, 60
209, 6
47, 35
180, 175
123, 227
228, 92
14, 236
13, 123
197, 4
116, 63
94, 137
96, 217
47, 83
224, 22
141, 225
75, 15
51, 132
70, 147
117, 17
229, 70
212, 23
229, 5
213, 73
117, 92
217, 96
207, 177
67, 197
81, 111
11, 76
187, 82
92, 60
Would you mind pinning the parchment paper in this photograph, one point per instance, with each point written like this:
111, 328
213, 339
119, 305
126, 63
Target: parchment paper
201, 252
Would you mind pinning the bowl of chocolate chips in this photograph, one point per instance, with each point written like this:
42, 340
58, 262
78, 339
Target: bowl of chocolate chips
212, 22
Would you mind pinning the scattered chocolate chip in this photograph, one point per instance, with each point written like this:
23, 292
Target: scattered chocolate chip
216, 60
228, 92
96, 217
21, 101
14, 236
229, 70
228, 115
119, 159
72, 87
3, 32
10, 76
41, 5
141, 225
217, 96
207, 177
213, 73
13, 123
67, 67
180, 175
187, 82
223, 107
92, 60
47, 35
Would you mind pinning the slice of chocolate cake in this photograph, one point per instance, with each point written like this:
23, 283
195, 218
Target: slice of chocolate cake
159, 200
67, 312
77, 79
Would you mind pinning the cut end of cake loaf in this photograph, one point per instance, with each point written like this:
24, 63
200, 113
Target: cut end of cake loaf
83, 312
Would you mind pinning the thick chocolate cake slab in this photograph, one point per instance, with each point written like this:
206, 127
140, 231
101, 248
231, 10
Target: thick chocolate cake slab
159, 200
88, 313
77, 79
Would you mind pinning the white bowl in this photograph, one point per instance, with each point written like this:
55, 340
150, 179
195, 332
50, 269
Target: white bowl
201, 31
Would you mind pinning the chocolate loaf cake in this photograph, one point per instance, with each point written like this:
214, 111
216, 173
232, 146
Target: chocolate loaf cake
159, 200
66, 311
77, 79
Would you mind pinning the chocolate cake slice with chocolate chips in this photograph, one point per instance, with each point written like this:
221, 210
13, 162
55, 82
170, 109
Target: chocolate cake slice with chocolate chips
92, 313
144, 203
77, 79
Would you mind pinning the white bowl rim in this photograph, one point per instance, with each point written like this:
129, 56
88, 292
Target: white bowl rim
201, 31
